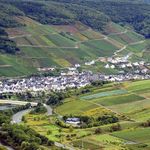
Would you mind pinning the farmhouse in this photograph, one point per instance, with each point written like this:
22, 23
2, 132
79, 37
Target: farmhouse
73, 121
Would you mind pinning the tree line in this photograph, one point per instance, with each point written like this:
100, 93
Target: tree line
133, 13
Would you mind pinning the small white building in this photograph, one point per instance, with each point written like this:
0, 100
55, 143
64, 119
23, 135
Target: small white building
112, 66
136, 64
107, 66
73, 121
90, 63
72, 69
77, 65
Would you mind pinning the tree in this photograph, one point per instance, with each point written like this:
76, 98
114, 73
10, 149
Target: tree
98, 131
116, 127
70, 129
49, 132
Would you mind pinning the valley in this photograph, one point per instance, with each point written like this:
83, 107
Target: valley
74, 75
126, 103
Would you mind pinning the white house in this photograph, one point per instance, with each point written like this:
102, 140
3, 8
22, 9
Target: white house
107, 66
73, 121
90, 63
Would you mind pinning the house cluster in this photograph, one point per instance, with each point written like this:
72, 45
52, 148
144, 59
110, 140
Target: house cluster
124, 77
45, 69
62, 82
73, 79
35, 84
122, 63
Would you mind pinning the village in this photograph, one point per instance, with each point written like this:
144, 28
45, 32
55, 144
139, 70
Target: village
71, 78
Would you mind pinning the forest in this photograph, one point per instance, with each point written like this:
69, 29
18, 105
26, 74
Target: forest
133, 13
95, 14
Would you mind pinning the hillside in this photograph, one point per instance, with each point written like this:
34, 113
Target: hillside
42, 36
128, 101
62, 46
132, 13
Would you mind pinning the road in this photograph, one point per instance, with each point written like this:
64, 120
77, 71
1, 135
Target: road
17, 118
49, 110
14, 102
125, 46
119, 33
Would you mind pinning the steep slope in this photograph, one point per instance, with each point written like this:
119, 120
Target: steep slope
64, 45
132, 13
60, 38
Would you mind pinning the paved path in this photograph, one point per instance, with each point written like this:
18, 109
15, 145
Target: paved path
49, 110
17, 118
14, 102
119, 33
125, 46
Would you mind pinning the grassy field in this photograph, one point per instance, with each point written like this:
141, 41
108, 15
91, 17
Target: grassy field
114, 28
14, 66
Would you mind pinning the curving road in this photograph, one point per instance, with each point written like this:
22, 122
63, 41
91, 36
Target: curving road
17, 118
49, 110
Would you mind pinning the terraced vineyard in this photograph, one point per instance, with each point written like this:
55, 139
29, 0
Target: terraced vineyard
63, 46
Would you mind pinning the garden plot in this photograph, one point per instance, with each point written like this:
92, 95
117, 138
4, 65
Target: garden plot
121, 99
103, 94
137, 135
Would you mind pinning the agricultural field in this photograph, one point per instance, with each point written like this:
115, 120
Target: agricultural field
63, 46
114, 28
122, 99
130, 99
137, 135
130, 106
104, 94
103, 47
127, 37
